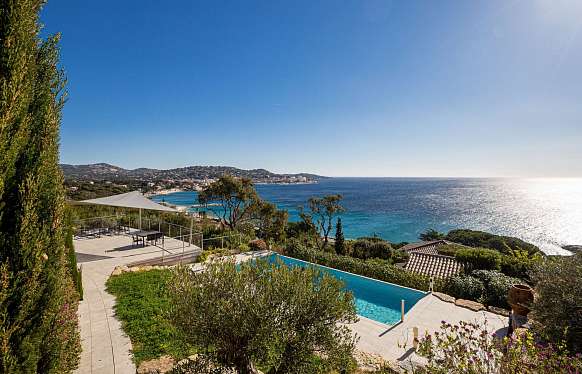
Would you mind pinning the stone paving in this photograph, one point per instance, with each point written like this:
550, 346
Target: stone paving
394, 343
106, 348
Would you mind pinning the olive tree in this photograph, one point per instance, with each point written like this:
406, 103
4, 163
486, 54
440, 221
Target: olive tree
236, 199
270, 221
282, 319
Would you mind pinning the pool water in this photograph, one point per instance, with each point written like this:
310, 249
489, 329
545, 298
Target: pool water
374, 299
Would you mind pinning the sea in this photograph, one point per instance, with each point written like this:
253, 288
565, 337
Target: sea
545, 212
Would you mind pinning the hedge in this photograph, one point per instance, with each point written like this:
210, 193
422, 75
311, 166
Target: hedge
366, 248
369, 268
479, 258
466, 287
500, 243
485, 286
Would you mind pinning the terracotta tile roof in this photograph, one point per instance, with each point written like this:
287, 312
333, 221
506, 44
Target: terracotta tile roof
429, 247
434, 265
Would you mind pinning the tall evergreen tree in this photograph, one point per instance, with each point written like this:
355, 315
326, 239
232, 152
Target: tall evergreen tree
38, 324
339, 238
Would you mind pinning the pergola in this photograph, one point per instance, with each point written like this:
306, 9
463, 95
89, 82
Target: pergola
134, 199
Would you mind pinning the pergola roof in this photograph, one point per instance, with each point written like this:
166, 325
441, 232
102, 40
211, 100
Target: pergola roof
133, 199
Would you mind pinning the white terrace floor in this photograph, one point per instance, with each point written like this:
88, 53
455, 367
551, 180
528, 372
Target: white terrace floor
106, 348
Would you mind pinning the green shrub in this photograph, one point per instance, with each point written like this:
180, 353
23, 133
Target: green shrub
479, 258
497, 286
399, 256
369, 268
366, 248
243, 247
517, 267
449, 249
469, 347
466, 287
487, 240
498, 289
281, 319
210, 252
431, 234
398, 245
557, 307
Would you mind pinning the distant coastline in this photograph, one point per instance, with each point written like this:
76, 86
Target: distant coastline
399, 209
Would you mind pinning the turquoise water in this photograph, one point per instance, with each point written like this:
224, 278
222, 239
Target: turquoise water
546, 212
376, 300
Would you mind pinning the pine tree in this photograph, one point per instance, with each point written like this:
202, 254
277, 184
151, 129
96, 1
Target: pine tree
339, 238
38, 324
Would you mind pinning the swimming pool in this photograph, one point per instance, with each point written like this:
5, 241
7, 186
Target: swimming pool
376, 300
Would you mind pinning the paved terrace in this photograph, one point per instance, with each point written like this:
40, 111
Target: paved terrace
106, 348
394, 343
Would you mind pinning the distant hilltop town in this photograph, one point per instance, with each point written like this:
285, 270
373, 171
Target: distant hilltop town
93, 180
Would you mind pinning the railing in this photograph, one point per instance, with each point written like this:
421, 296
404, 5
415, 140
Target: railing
109, 225
98, 226
185, 242
230, 241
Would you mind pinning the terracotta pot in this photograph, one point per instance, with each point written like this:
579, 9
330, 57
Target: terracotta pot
520, 297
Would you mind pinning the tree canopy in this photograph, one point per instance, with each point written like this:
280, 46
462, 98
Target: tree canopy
237, 198
322, 211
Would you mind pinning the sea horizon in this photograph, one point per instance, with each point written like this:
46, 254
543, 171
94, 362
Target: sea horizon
543, 211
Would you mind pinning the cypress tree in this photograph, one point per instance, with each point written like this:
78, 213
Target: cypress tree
339, 238
38, 323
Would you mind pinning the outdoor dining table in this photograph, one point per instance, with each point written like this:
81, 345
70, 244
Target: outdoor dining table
147, 235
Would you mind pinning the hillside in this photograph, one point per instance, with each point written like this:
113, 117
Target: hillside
103, 171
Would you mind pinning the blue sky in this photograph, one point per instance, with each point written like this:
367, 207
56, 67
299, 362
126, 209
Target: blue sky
340, 88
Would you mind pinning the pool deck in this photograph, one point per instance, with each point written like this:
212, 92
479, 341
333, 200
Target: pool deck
107, 349
394, 343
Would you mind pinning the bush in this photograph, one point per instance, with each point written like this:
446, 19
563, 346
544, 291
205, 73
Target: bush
368, 268
398, 245
258, 245
218, 252
497, 286
449, 249
262, 314
470, 348
517, 267
487, 240
399, 256
466, 287
366, 248
431, 234
557, 307
479, 258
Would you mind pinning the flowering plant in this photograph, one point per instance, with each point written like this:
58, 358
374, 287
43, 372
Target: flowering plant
470, 348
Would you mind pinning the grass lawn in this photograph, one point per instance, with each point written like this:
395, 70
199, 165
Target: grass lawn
142, 307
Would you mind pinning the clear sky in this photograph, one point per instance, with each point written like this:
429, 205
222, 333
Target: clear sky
340, 88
